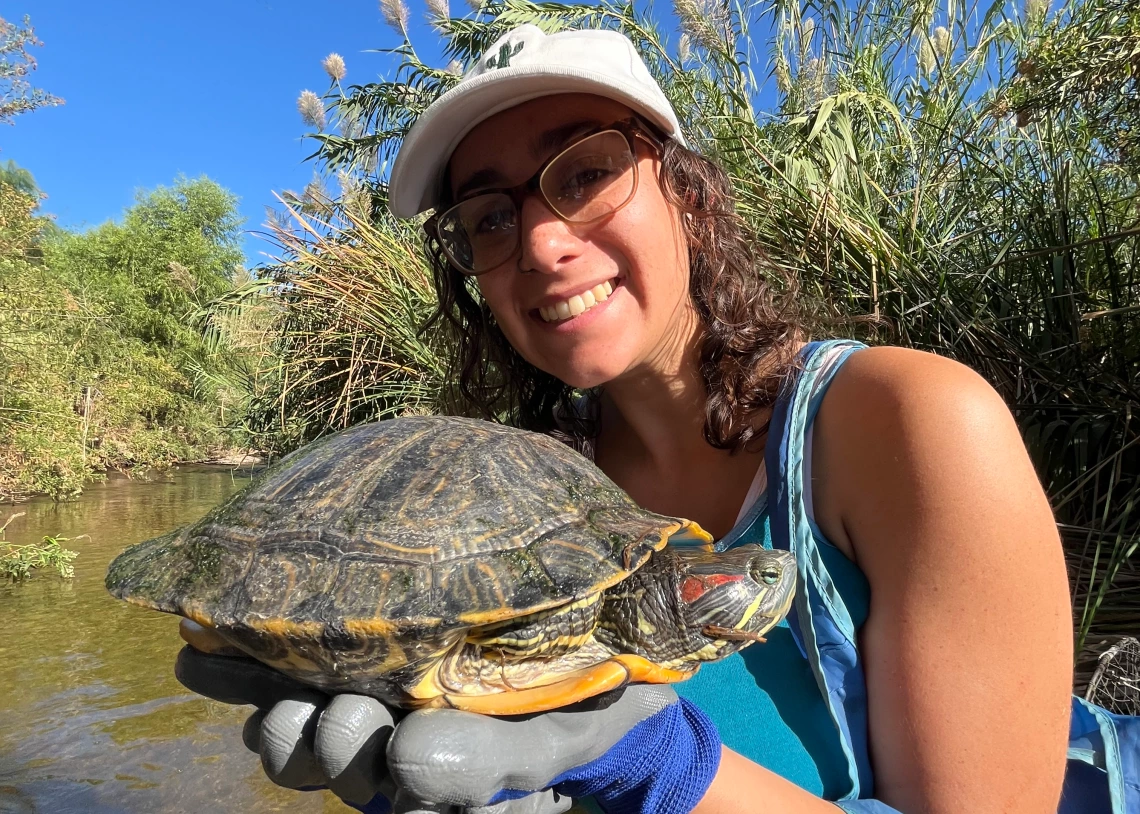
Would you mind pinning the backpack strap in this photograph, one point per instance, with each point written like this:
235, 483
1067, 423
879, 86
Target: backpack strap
819, 620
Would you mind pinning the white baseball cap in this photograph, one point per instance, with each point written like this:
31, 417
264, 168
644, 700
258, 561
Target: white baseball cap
521, 65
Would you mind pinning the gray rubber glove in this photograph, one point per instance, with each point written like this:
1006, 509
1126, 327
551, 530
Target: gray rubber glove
308, 740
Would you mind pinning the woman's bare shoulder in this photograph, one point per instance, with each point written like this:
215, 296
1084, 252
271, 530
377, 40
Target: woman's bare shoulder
905, 379
920, 451
888, 402
899, 425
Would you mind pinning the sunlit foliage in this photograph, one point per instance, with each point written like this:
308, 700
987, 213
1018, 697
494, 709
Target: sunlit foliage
16, 92
100, 364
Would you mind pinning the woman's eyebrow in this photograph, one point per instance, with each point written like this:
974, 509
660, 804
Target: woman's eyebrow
485, 177
555, 137
542, 144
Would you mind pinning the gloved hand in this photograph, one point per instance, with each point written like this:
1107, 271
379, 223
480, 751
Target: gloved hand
639, 749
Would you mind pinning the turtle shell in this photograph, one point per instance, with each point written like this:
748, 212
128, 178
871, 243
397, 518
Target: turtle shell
372, 550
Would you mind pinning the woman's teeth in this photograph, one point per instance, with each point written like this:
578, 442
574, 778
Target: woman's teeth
578, 304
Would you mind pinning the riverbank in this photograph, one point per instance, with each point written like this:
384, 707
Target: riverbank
234, 458
15, 491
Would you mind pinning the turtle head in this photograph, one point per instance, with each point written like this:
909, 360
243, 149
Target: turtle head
734, 597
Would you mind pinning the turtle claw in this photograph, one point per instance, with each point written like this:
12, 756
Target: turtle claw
634, 554
731, 634
503, 671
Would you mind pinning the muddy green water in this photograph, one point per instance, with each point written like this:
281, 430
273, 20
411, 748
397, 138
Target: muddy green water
91, 716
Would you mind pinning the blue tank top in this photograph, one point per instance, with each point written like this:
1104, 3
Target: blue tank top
765, 700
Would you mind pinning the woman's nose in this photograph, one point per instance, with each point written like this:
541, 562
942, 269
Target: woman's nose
546, 242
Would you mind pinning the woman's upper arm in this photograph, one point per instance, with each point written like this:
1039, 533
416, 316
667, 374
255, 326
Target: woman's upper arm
920, 471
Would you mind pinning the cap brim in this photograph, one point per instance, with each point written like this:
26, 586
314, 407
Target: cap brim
416, 174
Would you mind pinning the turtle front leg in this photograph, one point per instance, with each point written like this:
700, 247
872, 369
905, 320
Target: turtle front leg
538, 662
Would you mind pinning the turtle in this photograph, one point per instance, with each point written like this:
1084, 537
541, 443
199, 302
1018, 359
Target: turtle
433, 561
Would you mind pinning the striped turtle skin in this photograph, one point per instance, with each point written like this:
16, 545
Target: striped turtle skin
441, 561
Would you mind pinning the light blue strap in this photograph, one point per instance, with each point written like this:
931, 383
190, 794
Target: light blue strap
831, 356
865, 807
824, 635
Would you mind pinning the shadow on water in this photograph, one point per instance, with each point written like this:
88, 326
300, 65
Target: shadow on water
91, 717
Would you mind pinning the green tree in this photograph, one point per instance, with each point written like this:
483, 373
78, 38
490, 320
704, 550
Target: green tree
39, 427
177, 248
101, 365
16, 93
19, 179
22, 181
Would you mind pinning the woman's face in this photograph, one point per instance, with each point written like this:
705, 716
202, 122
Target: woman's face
639, 252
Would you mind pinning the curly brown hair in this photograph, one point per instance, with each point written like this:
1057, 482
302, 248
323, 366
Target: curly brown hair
750, 329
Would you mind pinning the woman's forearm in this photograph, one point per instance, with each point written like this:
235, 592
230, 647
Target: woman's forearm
743, 787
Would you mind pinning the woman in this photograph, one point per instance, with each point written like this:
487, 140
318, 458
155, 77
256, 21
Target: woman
934, 611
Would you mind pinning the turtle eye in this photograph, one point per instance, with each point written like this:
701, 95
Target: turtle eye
767, 574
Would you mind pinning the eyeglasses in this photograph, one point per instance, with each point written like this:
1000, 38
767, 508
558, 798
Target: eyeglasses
587, 181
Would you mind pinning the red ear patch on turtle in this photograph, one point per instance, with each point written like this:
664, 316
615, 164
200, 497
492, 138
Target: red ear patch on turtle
692, 588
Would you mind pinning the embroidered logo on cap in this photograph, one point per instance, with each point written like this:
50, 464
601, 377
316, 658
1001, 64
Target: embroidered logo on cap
503, 58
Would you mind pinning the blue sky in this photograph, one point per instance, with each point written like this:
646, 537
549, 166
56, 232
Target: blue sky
155, 89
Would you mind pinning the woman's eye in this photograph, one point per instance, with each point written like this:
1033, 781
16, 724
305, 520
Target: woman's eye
495, 221
582, 180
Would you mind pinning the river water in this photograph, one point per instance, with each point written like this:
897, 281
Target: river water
91, 717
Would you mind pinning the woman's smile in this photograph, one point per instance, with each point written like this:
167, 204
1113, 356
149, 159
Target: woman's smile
560, 311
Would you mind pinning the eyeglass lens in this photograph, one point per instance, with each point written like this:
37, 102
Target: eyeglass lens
586, 182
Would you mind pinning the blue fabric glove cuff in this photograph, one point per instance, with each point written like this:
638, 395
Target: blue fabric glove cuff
663, 765
377, 805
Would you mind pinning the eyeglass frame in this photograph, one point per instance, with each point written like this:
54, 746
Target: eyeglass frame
629, 129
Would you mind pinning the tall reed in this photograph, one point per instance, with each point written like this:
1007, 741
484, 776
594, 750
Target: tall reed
347, 294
